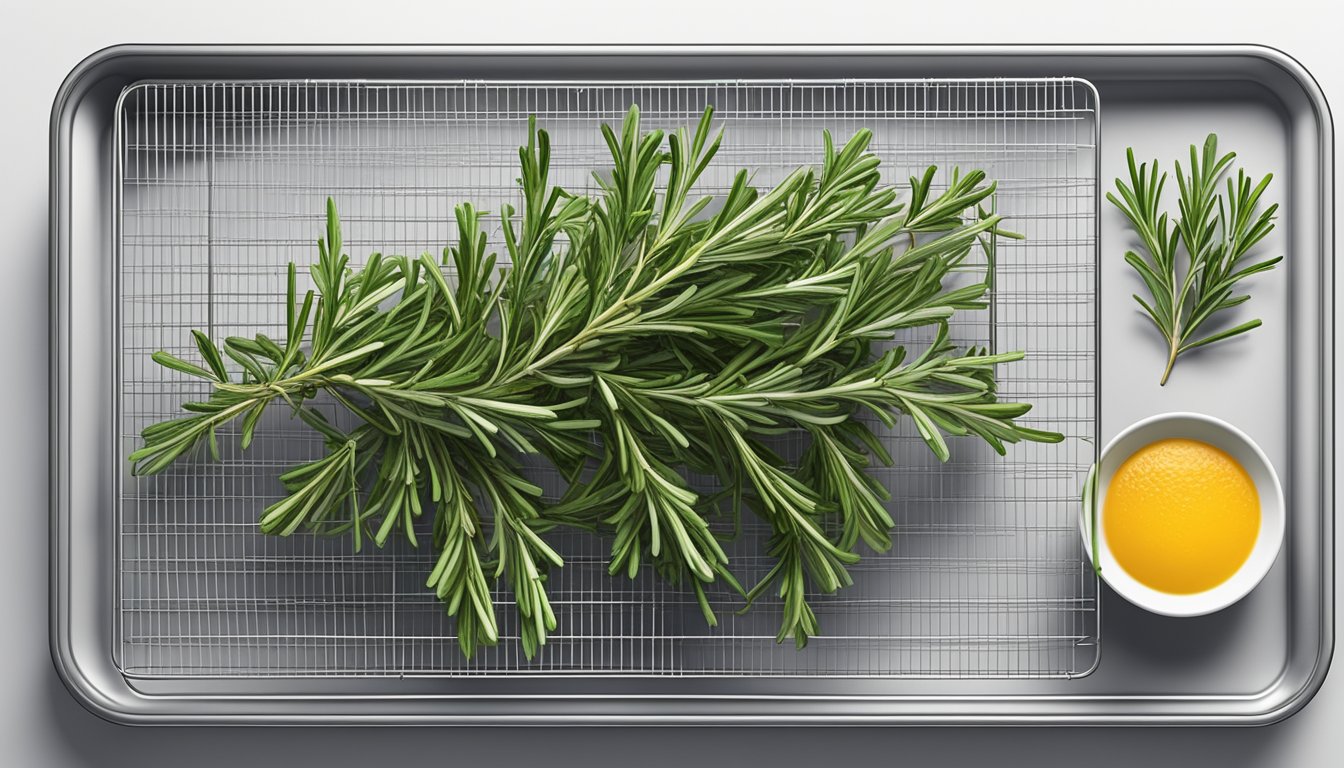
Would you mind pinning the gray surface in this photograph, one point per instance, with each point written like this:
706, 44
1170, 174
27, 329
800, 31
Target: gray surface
42, 724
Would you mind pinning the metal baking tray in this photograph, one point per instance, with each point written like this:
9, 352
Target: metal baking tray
156, 615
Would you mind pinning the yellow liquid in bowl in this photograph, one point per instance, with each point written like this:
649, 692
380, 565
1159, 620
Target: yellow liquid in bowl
1181, 516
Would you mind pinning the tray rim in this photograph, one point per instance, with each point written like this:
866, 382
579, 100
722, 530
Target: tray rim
128, 705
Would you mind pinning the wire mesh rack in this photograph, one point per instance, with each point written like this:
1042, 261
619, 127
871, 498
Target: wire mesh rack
219, 185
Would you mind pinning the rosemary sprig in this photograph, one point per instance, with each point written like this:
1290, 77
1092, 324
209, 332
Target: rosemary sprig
1091, 492
633, 336
1217, 231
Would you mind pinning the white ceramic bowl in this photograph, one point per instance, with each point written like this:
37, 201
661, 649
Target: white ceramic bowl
1219, 434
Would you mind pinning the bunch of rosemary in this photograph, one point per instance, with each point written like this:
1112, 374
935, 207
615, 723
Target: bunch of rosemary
633, 336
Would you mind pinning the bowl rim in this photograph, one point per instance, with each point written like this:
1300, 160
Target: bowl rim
1264, 554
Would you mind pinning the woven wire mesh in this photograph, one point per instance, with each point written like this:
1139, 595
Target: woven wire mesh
221, 184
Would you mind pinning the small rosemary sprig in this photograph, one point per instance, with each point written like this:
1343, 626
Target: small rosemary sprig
1091, 487
1216, 229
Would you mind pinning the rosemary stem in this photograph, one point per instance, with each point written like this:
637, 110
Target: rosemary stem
1171, 362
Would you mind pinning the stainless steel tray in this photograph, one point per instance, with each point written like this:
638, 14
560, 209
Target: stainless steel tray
1255, 663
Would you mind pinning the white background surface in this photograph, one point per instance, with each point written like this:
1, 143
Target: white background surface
41, 725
